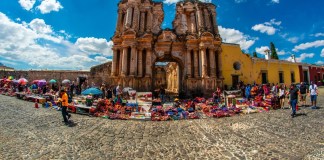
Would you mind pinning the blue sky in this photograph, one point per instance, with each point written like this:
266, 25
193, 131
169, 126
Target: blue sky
70, 34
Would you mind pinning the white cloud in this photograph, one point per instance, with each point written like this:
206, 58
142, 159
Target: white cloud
101, 59
319, 63
27, 4
262, 49
39, 46
293, 39
302, 57
8, 63
307, 45
93, 45
264, 29
318, 34
280, 53
48, 6
273, 22
267, 27
39, 26
322, 53
235, 36
175, 1
275, 1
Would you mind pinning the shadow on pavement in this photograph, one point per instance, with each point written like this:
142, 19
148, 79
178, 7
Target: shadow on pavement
301, 114
72, 124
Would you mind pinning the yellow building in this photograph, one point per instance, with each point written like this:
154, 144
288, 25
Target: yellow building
238, 66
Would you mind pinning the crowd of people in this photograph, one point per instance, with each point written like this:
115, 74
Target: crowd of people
288, 96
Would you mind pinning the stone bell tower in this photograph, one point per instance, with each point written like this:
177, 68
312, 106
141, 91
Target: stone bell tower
196, 22
138, 21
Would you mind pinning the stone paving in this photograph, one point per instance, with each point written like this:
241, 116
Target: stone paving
29, 133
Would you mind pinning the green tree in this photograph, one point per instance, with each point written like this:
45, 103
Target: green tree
255, 54
274, 54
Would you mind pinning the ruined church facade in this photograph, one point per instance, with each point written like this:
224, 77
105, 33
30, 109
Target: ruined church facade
193, 43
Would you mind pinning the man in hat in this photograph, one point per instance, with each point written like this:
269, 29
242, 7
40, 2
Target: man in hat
65, 104
313, 91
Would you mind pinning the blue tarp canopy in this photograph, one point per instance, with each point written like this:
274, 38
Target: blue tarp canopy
93, 91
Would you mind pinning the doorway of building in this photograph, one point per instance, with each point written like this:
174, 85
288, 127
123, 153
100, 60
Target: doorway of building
168, 74
306, 77
264, 77
235, 81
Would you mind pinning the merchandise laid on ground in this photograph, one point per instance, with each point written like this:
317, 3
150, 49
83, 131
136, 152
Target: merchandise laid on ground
141, 105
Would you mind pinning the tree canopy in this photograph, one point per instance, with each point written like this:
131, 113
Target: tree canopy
273, 50
255, 54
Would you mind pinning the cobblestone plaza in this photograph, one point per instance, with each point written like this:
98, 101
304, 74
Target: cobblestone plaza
29, 133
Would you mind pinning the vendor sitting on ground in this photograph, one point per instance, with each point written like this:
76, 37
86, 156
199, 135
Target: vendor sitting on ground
192, 107
118, 99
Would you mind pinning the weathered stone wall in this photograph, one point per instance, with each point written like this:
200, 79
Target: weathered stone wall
58, 75
100, 74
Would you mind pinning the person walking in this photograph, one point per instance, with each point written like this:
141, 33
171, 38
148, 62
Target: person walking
303, 91
313, 91
65, 114
294, 91
282, 96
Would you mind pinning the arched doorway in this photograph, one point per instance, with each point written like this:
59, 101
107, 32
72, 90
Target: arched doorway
168, 73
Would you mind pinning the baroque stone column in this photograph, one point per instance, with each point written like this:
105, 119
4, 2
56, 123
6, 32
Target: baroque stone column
120, 62
114, 62
142, 21
140, 63
196, 67
149, 21
136, 17
133, 66
148, 63
199, 19
212, 62
215, 26
124, 62
207, 19
188, 63
203, 62
193, 22
129, 16
119, 21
